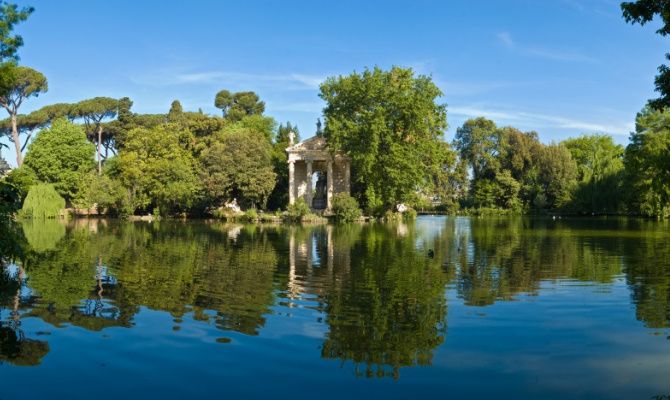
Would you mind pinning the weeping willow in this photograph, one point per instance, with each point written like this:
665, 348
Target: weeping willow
43, 202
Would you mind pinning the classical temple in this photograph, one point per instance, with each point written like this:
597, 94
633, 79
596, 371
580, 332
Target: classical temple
315, 173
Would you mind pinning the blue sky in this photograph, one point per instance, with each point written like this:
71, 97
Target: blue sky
560, 67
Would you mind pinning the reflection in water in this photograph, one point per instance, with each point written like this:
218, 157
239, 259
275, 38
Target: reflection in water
387, 308
378, 290
15, 348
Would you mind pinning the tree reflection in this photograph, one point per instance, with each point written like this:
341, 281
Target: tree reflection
385, 307
380, 287
15, 348
647, 265
500, 258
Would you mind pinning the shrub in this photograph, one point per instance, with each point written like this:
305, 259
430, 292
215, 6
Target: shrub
297, 210
409, 215
345, 208
390, 216
251, 215
21, 179
10, 198
100, 190
42, 201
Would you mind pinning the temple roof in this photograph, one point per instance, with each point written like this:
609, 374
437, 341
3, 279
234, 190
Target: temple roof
314, 143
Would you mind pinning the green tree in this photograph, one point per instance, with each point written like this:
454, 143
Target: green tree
558, 175
389, 124
10, 15
641, 12
647, 163
175, 110
238, 164
599, 173
157, 170
42, 201
29, 124
477, 143
520, 154
236, 106
101, 191
24, 83
61, 155
94, 111
223, 101
21, 179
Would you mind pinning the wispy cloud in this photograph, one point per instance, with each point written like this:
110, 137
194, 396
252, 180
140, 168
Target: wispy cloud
539, 120
312, 107
472, 88
230, 79
542, 52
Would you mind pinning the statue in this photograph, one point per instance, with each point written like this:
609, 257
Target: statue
319, 201
232, 206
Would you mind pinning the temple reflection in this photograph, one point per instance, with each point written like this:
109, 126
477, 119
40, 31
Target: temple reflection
382, 295
379, 289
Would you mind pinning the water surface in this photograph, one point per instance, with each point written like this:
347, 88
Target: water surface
495, 308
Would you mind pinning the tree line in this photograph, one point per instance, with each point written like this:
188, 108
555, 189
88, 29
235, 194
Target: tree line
391, 124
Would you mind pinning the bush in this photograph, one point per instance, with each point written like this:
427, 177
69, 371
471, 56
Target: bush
251, 215
42, 201
390, 216
409, 215
345, 208
21, 179
10, 198
297, 210
99, 190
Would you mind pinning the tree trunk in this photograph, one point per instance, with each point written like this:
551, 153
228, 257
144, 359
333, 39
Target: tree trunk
99, 150
17, 141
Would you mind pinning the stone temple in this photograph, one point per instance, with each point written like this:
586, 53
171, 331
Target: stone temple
316, 174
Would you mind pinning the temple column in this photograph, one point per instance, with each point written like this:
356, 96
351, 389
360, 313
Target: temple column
291, 182
347, 176
329, 190
308, 192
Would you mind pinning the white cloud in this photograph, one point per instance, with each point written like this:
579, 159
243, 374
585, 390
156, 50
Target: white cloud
539, 120
303, 107
536, 51
230, 79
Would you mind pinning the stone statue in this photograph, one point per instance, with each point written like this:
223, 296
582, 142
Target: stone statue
319, 201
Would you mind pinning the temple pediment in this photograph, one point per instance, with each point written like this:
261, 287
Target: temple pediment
316, 143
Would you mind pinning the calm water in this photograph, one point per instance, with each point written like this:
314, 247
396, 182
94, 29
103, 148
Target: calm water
445, 307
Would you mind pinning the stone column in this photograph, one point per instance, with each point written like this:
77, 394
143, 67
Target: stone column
331, 247
329, 188
347, 176
308, 191
291, 182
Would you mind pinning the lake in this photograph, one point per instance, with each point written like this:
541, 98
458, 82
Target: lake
446, 307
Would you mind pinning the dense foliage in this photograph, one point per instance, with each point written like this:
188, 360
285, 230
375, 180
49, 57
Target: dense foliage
345, 208
238, 165
157, 170
390, 125
648, 164
513, 170
61, 155
42, 201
